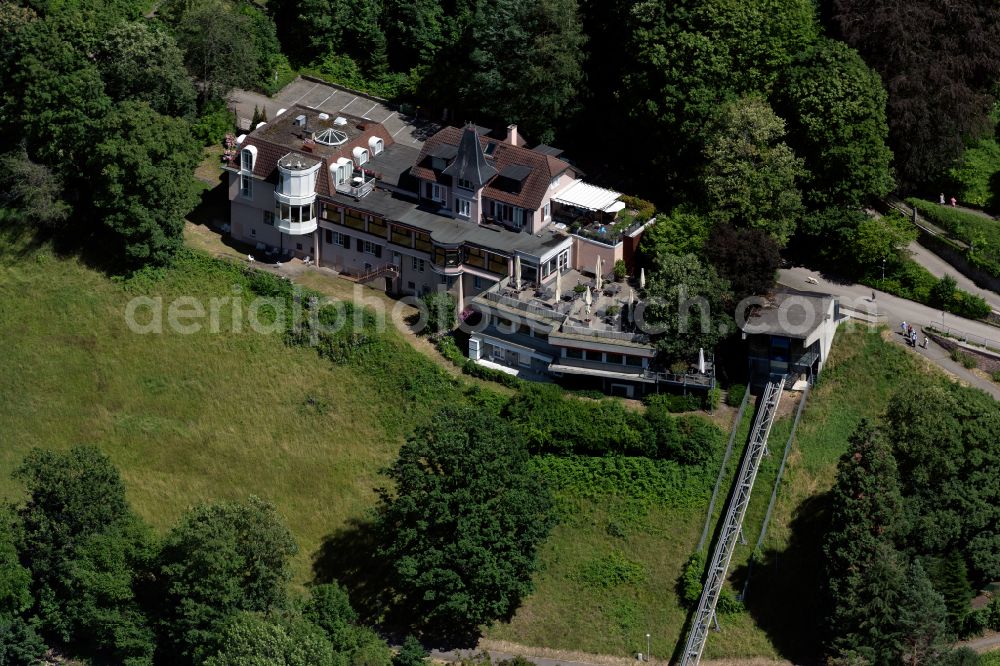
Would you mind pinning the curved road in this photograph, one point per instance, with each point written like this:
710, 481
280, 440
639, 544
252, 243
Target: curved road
898, 310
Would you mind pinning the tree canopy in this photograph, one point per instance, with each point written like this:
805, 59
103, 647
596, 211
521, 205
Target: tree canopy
751, 174
835, 109
939, 87
464, 521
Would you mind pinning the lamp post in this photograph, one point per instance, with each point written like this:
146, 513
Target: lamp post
883, 269
647, 647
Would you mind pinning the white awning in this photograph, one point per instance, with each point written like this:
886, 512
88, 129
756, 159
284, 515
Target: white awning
615, 207
590, 197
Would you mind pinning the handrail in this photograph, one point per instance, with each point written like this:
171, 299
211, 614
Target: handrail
611, 335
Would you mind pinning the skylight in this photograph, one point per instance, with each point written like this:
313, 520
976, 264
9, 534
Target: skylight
331, 137
490, 149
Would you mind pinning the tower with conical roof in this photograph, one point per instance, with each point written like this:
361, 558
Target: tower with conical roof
470, 171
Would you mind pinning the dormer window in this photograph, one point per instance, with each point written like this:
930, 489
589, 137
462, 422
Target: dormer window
360, 155
491, 148
247, 157
376, 145
465, 184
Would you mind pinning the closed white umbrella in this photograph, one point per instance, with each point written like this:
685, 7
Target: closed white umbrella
597, 272
642, 278
558, 285
517, 272
701, 360
587, 299
631, 304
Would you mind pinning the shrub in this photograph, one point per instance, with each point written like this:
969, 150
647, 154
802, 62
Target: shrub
645, 210
696, 442
675, 404
996, 377
689, 584
620, 270
974, 174
735, 396
967, 360
441, 311
411, 653
214, 122
973, 229
714, 398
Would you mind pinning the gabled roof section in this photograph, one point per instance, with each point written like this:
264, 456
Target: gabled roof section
470, 164
533, 187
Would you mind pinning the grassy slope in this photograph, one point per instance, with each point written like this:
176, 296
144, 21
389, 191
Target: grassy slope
863, 373
205, 416
186, 418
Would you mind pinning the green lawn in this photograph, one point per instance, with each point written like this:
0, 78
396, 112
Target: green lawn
188, 418
208, 416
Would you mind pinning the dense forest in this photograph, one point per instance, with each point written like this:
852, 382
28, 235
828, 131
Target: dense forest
913, 530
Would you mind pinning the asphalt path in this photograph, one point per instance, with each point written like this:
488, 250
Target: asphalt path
938, 267
897, 310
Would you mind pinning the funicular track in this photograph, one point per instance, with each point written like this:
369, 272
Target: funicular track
733, 525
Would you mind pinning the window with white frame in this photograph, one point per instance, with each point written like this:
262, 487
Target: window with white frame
377, 145
246, 186
465, 184
343, 173
246, 159
547, 211
338, 239
564, 260
463, 207
362, 156
295, 214
437, 192
369, 247
418, 264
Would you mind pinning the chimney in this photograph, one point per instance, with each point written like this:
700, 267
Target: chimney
512, 134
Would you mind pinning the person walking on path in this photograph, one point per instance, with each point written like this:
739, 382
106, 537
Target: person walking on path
953, 202
925, 342
941, 199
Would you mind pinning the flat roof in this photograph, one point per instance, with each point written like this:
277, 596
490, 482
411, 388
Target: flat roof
790, 313
393, 163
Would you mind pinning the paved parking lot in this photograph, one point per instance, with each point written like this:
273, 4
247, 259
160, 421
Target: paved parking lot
334, 100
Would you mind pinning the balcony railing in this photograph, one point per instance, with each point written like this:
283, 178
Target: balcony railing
624, 336
359, 186
509, 302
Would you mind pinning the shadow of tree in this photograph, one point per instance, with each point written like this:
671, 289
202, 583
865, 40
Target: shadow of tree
352, 557
786, 592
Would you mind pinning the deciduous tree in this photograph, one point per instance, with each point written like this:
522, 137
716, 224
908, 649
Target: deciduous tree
142, 181
142, 63
685, 307
464, 521
939, 62
835, 108
220, 559
747, 258
751, 175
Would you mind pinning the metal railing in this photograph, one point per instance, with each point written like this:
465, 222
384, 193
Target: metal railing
610, 335
733, 525
509, 302
963, 336
357, 191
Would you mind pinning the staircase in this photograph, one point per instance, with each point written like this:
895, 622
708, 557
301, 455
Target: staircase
733, 525
374, 274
